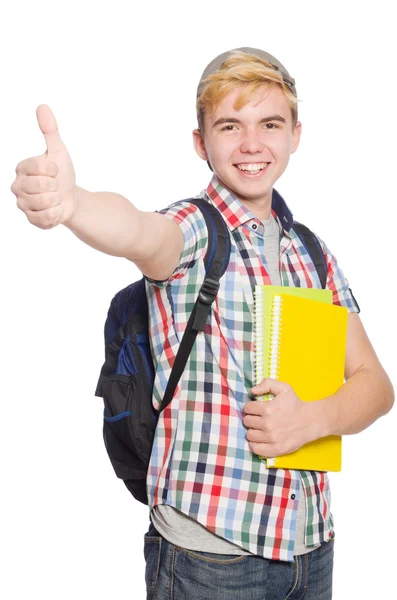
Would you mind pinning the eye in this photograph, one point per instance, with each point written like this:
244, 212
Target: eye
228, 128
271, 126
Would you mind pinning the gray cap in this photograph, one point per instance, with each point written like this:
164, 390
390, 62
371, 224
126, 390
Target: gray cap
216, 64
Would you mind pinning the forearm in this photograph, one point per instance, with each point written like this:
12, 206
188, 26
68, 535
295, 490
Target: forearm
105, 221
364, 397
110, 223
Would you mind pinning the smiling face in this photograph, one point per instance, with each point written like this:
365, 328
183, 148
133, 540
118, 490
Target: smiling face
249, 148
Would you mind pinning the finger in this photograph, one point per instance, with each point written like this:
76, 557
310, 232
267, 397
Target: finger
253, 407
272, 386
257, 436
261, 449
38, 184
49, 128
38, 202
45, 219
37, 165
253, 422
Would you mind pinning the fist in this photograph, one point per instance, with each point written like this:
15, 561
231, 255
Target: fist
45, 185
281, 425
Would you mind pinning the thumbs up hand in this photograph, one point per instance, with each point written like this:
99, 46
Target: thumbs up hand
45, 185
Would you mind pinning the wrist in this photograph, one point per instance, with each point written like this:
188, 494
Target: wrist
323, 417
71, 207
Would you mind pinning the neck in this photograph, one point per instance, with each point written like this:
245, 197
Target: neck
261, 209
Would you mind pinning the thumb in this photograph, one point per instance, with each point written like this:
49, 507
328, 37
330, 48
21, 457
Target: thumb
269, 386
49, 128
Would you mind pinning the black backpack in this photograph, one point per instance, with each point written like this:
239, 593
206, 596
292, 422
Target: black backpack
127, 375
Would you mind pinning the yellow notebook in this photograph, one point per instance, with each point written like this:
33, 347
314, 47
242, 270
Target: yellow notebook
263, 309
307, 350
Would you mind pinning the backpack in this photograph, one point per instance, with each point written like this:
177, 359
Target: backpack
127, 375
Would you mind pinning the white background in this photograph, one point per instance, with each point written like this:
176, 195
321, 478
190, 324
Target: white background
121, 79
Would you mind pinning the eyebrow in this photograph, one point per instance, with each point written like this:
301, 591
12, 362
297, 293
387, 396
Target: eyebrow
264, 120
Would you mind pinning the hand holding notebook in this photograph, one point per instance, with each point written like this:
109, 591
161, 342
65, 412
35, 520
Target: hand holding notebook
284, 424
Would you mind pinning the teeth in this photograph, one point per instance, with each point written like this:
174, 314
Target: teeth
253, 168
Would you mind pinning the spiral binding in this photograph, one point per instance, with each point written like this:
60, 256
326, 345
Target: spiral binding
274, 355
275, 336
259, 374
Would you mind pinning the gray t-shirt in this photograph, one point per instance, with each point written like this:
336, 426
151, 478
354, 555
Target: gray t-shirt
182, 530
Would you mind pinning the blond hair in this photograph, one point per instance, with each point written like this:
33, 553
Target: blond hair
244, 70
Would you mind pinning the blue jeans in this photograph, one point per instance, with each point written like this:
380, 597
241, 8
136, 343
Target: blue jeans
174, 573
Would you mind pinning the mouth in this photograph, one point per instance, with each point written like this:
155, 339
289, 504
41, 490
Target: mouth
252, 169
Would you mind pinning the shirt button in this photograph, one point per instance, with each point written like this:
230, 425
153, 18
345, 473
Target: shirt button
254, 226
292, 496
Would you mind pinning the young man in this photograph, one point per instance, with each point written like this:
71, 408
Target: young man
222, 525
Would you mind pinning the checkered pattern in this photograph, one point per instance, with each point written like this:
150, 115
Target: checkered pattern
201, 462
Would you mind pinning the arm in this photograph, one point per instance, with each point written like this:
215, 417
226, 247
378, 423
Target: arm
46, 191
286, 423
110, 223
366, 395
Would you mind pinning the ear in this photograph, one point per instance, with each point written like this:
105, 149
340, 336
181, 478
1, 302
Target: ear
199, 144
296, 136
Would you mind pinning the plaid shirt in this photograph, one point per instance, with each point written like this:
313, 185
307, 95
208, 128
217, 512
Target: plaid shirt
201, 462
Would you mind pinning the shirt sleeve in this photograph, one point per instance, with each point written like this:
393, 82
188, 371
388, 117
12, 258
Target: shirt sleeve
191, 221
337, 282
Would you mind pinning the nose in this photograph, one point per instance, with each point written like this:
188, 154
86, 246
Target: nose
251, 142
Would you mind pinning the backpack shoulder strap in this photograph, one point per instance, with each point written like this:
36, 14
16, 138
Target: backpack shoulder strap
216, 262
218, 248
312, 245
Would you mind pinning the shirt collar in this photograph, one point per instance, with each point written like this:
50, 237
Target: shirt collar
236, 214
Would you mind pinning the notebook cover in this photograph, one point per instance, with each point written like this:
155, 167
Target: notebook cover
312, 350
263, 307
